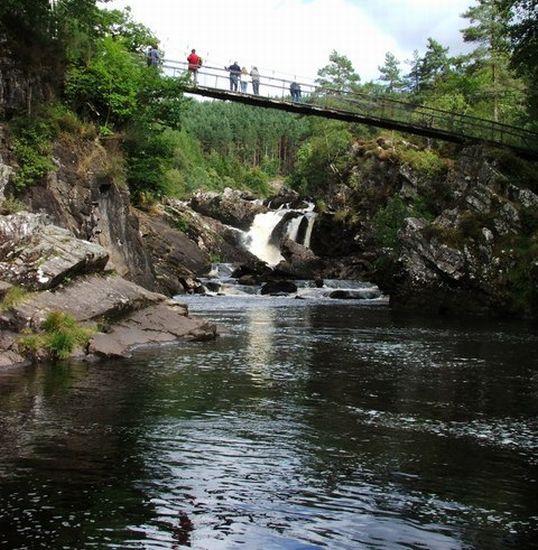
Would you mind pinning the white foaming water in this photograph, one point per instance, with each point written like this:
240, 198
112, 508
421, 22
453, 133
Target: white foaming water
258, 239
259, 236
308, 235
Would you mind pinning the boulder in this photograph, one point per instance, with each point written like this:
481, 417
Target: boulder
177, 260
229, 207
355, 293
288, 198
88, 299
161, 323
39, 256
8, 349
278, 287
300, 262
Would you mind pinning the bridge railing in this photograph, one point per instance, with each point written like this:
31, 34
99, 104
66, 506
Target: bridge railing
371, 106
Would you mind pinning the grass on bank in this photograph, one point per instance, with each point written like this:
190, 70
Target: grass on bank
61, 335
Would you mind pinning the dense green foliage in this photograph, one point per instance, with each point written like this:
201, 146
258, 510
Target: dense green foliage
175, 146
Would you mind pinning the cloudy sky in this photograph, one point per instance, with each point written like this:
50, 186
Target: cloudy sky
295, 37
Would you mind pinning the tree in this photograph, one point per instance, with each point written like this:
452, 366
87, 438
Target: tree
411, 81
434, 63
390, 73
489, 23
523, 22
339, 75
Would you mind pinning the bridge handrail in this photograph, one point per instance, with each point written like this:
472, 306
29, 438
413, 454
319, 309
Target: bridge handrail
400, 111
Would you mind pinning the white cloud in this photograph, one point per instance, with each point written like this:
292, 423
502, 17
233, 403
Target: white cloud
295, 37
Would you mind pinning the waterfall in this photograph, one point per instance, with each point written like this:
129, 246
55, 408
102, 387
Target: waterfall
311, 217
258, 238
269, 228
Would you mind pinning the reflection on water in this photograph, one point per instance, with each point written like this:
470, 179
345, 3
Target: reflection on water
260, 345
304, 426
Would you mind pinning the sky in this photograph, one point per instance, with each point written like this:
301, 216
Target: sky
294, 38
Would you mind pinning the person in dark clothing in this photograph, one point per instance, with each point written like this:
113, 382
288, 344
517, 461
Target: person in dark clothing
295, 90
235, 71
153, 56
195, 62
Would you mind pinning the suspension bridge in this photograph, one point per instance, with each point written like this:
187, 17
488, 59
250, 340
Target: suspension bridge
370, 109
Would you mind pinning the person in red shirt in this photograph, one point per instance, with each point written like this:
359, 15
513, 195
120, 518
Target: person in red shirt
195, 62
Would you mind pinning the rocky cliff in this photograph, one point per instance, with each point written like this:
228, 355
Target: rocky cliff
439, 235
81, 252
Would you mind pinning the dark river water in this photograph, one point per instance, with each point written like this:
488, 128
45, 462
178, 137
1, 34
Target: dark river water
306, 425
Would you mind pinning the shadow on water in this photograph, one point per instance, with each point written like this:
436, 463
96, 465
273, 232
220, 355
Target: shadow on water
304, 426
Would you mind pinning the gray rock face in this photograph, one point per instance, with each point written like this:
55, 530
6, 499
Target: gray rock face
230, 207
300, 262
23, 84
161, 323
467, 259
4, 289
90, 298
38, 255
176, 258
81, 196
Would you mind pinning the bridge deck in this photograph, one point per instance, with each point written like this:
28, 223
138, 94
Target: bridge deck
378, 111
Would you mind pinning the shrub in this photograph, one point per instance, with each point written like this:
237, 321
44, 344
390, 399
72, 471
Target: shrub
426, 162
11, 206
388, 221
32, 148
14, 296
257, 181
61, 335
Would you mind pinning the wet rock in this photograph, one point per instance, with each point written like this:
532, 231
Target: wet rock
300, 262
249, 280
38, 255
287, 198
256, 269
278, 287
162, 323
9, 350
355, 294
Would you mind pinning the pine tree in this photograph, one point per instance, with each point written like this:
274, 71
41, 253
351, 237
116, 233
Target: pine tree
411, 81
339, 75
390, 73
523, 34
434, 63
489, 22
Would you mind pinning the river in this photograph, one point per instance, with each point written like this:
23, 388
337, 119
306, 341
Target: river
308, 424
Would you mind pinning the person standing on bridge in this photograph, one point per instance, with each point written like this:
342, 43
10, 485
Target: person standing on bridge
244, 81
153, 56
195, 62
235, 71
255, 75
295, 90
